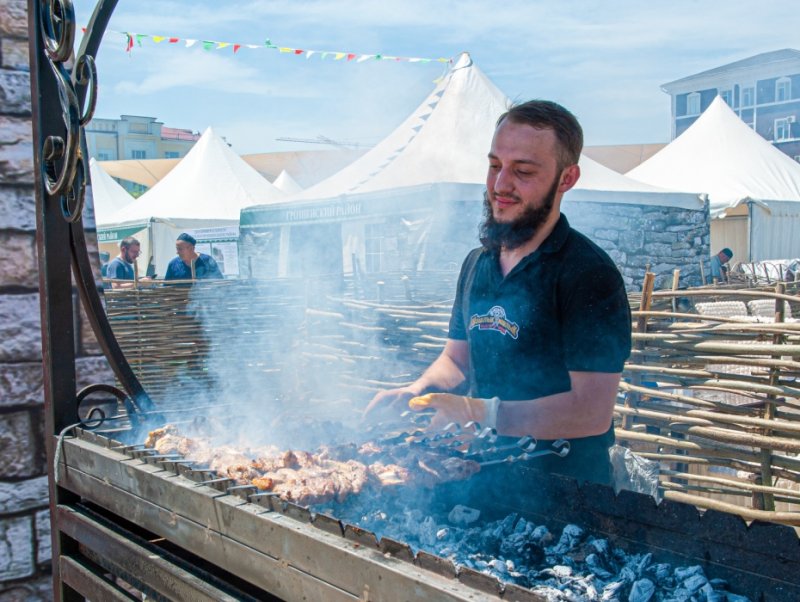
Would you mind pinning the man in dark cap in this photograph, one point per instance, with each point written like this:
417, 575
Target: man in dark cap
719, 265
190, 265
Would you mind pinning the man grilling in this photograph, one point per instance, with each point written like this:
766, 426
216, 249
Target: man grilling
541, 326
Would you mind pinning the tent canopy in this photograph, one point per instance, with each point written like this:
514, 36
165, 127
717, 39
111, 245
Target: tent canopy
444, 144
108, 196
721, 156
287, 183
210, 183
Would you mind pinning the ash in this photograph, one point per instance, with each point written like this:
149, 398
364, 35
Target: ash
572, 566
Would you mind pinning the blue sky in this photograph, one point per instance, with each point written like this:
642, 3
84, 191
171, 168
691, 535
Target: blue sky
605, 61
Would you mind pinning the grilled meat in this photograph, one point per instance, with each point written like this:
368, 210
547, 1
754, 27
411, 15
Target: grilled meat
313, 478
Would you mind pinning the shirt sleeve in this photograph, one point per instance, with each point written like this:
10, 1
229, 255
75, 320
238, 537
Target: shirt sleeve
170, 275
212, 271
596, 320
115, 270
458, 329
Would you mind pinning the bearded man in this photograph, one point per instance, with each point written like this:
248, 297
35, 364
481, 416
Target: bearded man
541, 325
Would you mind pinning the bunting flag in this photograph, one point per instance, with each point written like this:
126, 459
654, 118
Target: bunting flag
135, 39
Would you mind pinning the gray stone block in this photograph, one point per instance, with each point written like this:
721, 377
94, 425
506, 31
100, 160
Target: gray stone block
17, 207
16, 150
16, 548
668, 237
39, 589
18, 446
44, 546
18, 258
15, 92
14, 18
606, 234
20, 334
23, 496
14, 53
21, 384
631, 240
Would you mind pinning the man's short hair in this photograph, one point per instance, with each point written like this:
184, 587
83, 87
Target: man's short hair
545, 114
728, 253
187, 238
129, 242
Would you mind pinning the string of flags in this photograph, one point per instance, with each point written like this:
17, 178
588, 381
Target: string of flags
136, 39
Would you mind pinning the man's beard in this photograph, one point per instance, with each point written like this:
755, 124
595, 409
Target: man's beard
496, 235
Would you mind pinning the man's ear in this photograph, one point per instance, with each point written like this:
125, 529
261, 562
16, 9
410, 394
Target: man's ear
569, 177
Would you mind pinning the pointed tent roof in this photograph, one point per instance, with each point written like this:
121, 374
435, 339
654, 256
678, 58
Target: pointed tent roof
444, 140
108, 196
721, 156
210, 182
286, 183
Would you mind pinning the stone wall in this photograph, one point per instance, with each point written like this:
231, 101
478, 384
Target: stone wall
637, 236
25, 548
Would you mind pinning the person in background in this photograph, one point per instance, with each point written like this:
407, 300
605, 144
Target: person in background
105, 256
180, 268
122, 266
541, 326
719, 267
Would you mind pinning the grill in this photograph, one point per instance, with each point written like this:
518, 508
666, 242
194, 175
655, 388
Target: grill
183, 532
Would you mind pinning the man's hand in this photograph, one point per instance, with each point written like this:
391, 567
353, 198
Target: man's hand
457, 408
389, 402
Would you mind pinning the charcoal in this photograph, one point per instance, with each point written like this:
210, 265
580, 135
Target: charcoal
614, 591
683, 573
694, 583
642, 590
571, 536
463, 515
595, 564
712, 595
662, 573
735, 598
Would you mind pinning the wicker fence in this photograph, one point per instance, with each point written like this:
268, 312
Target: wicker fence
711, 391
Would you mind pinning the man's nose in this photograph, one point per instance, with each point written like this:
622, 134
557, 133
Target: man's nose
503, 181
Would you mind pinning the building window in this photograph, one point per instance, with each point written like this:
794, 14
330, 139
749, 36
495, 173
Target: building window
693, 104
748, 96
797, 158
783, 129
373, 247
138, 154
783, 89
172, 155
103, 157
727, 96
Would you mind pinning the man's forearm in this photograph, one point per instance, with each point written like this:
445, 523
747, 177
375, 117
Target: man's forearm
444, 374
583, 411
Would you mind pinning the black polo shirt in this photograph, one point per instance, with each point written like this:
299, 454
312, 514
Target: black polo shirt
562, 308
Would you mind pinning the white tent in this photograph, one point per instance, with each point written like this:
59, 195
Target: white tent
203, 195
445, 142
743, 175
437, 156
287, 183
107, 195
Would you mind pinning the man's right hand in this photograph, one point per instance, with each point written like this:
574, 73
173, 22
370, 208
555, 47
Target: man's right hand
389, 402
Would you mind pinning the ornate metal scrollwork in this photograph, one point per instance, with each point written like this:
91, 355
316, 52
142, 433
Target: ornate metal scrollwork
65, 173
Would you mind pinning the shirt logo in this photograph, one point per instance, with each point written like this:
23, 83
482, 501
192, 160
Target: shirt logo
495, 319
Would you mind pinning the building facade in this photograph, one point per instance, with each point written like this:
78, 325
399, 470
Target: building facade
764, 90
136, 137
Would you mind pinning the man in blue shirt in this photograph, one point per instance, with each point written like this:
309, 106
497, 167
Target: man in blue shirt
122, 266
190, 265
541, 325
719, 268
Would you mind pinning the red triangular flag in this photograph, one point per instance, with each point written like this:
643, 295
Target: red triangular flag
236, 48
174, 40
298, 52
350, 57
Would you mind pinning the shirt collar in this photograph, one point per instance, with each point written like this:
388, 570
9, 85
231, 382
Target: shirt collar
557, 238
